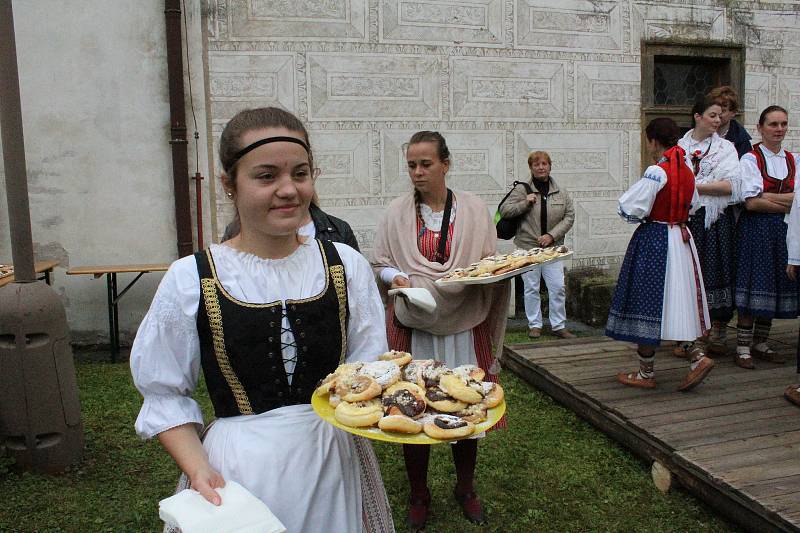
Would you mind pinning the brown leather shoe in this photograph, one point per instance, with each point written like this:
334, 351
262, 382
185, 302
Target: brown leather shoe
792, 393
696, 376
564, 333
768, 355
744, 362
680, 352
632, 379
534, 333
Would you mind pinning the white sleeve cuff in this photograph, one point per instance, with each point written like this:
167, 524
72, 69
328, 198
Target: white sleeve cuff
388, 274
161, 412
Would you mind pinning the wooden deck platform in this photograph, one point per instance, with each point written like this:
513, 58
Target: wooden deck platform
733, 441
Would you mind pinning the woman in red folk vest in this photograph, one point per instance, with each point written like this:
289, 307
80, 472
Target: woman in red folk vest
659, 294
763, 288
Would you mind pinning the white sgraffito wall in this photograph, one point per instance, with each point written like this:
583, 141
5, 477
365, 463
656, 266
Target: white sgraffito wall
497, 77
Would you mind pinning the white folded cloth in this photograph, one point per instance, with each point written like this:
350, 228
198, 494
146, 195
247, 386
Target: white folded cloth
417, 296
240, 512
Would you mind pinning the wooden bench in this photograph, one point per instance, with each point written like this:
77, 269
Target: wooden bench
110, 272
41, 267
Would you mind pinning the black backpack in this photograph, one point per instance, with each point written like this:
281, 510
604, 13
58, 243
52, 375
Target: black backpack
507, 227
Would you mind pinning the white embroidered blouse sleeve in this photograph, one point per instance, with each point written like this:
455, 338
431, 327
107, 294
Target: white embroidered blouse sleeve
730, 169
366, 331
165, 357
793, 232
752, 182
636, 203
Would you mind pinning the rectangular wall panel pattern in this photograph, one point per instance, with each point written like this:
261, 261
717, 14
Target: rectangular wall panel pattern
573, 25
608, 91
789, 94
406, 87
507, 89
756, 95
345, 161
305, 20
242, 80
498, 78
477, 22
681, 22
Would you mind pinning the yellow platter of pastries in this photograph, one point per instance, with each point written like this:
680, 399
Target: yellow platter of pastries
397, 399
496, 268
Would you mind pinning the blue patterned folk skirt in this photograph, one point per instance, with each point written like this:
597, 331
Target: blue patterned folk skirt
716, 249
636, 307
762, 287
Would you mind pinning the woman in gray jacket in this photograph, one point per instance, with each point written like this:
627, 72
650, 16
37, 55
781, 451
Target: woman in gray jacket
548, 216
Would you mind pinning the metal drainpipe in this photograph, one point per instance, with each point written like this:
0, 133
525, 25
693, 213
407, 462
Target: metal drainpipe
177, 114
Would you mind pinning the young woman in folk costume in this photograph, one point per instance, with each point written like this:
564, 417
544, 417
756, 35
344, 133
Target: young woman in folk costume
266, 315
718, 183
427, 233
763, 289
659, 294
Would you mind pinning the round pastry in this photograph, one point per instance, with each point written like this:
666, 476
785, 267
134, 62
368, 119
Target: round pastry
384, 372
357, 388
494, 394
457, 387
470, 371
346, 369
431, 373
326, 385
475, 413
359, 414
413, 387
399, 358
413, 371
399, 424
404, 402
562, 249
439, 400
448, 427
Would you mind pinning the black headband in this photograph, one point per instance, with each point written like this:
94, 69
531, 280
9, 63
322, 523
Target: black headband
261, 142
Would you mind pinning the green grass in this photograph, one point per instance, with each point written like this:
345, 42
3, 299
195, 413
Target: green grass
549, 472
520, 335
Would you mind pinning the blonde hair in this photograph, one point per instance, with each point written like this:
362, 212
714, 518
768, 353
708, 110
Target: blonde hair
538, 154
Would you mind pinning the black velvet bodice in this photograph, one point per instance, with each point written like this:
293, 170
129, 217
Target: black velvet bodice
240, 343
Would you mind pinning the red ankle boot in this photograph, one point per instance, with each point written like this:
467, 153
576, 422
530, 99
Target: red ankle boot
471, 506
418, 511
